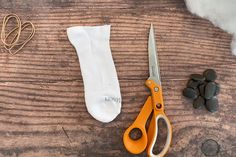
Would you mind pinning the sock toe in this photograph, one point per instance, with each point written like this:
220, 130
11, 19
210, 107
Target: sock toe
104, 108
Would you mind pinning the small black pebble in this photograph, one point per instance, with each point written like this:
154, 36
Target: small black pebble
210, 75
193, 84
217, 91
197, 77
197, 91
212, 105
199, 102
190, 93
202, 89
210, 90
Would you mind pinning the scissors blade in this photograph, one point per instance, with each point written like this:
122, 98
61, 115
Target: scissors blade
154, 70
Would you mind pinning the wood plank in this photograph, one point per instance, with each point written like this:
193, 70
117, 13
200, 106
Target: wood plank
42, 108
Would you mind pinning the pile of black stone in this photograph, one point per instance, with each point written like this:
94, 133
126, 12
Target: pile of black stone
203, 90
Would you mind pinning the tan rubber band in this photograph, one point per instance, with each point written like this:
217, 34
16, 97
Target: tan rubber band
9, 46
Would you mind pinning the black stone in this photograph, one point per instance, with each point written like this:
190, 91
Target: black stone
197, 77
212, 105
210, 90
199, 102
193, 84
202, 89
197, 91
210, 75
190, 93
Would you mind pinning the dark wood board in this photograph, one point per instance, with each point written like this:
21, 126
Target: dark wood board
42, 108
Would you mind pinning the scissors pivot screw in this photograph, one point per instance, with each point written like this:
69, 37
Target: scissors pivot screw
156, 89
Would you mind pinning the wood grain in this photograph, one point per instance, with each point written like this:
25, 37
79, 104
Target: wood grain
42, 109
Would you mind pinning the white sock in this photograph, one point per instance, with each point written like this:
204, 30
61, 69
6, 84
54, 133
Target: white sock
101, 86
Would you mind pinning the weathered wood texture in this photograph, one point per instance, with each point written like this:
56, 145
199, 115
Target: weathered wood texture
42, 109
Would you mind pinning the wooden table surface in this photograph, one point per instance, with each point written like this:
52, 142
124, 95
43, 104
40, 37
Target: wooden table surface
42, 108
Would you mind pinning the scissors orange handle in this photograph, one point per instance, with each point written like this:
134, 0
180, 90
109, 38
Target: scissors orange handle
153, 103
158, 113
139, 145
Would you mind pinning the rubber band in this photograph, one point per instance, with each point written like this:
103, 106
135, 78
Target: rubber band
14, 43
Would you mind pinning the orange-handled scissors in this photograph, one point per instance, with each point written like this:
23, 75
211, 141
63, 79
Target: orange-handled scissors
154, 103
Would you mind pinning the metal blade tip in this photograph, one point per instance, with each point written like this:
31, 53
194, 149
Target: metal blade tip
151, 28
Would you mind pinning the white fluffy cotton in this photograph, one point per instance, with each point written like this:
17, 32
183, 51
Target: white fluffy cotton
221, 13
